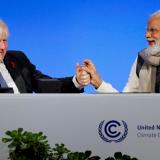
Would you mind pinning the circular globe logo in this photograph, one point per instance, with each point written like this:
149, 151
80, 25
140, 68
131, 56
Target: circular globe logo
113, 131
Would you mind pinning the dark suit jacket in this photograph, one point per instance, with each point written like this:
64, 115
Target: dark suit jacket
27, 77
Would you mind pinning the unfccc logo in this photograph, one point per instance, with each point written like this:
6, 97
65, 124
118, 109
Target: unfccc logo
113, 131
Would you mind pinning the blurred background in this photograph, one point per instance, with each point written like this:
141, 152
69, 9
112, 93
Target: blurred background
56, 34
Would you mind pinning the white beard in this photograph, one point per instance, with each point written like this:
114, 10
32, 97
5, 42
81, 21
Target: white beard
153, 50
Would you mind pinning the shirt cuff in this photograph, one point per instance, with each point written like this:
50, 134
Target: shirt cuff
105, 88
77, 85
100, 88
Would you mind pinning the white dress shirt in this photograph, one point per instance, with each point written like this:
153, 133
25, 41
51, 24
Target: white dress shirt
6, 79
131, 86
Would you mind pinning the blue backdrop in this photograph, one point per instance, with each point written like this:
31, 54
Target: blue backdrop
55, 34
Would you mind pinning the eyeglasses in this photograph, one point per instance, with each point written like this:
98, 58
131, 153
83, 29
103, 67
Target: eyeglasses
153, 30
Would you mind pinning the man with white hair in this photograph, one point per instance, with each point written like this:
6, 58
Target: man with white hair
21, 76
145, 72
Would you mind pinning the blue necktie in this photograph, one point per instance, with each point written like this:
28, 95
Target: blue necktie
2, 81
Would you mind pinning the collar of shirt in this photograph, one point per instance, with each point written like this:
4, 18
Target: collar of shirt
6, 79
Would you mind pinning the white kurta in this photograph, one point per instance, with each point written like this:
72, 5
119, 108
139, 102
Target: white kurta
131, 86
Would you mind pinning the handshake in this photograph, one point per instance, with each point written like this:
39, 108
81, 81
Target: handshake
86, 74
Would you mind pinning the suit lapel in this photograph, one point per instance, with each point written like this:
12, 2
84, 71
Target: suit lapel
15, 72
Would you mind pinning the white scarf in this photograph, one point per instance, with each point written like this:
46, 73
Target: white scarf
147, 75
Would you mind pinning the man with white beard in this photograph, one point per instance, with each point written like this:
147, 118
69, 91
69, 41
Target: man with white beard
145, 72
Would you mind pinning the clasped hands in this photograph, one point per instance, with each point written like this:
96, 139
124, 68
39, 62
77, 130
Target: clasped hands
86, 74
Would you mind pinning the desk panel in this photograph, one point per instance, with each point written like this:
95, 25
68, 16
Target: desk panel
103, 123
